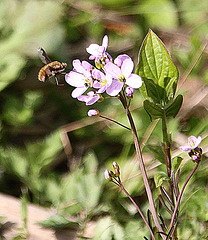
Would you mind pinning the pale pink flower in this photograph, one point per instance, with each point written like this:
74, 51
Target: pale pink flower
80, 77
121, 76
98, 52
192, 143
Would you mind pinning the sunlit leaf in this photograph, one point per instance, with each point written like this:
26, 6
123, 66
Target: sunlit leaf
156, 65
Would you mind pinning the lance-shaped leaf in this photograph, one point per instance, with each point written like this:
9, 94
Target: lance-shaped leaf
174, 107
156, 64
156, 111
149, 218
166, 196
164, 205
176, 162
162, 221
175, 187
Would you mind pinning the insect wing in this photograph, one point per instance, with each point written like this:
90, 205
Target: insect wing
43, 56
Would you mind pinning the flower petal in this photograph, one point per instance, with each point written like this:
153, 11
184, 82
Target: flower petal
120, 59
87, 66
127, 67
102, 89
78, 91
194, 142
105, 42
134, 81
114, 88
93, 100
112, 69
93, 49
75, 79
97, 74
185, 148
78, 66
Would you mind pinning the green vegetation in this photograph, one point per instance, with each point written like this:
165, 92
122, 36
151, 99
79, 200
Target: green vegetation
52, 168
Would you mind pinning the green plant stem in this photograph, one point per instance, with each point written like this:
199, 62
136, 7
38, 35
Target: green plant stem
142, 166
180, 195
166, 145
138, 209
167, 148
120, 124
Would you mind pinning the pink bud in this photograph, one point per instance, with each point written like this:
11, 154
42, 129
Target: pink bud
93, 113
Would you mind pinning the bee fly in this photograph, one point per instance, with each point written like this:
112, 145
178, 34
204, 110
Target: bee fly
51, 69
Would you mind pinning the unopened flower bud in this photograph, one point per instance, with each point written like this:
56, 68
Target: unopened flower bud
112, 174
195, 154
93, 113
129, 92
107, 175
116, 167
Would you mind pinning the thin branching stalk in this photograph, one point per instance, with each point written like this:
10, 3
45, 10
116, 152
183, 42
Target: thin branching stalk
180, 195
142, 166
120, 124
138, 209
167, 152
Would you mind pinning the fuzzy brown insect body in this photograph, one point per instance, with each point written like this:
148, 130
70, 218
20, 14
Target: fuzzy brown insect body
51, 69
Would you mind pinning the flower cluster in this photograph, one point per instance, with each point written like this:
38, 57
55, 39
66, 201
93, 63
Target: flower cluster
110, 76
192, 146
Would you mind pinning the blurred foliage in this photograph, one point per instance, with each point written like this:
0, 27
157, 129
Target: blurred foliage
33, 113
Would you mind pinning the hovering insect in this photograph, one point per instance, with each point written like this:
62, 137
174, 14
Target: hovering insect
51, 69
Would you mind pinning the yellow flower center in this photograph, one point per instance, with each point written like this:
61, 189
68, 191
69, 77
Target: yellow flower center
191, 142
88, 82
121, 78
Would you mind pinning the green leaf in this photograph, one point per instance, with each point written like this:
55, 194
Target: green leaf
159, 178
58, 222
176, 163
153, 91
154, 111
155, 64
158, 152
174, 107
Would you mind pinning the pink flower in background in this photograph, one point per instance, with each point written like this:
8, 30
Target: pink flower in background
192, 143
121, 76
80, 77
90, 98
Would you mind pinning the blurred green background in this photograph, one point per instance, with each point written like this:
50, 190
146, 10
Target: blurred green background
67, 173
